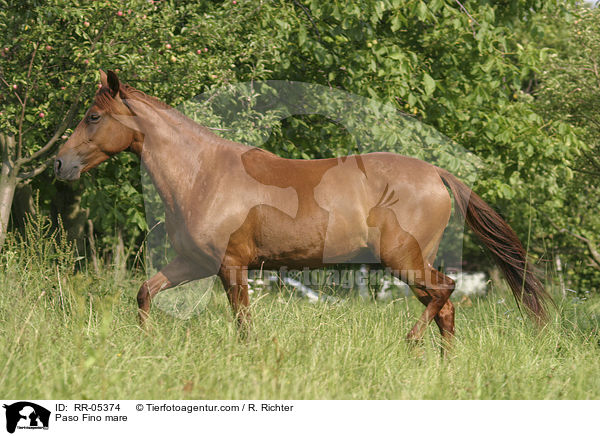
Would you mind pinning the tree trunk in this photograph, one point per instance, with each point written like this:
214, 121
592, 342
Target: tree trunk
8, 182
8, 185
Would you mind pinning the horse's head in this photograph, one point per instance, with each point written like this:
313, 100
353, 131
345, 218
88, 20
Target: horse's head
100, 134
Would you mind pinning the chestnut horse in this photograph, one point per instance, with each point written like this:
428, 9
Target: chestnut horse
230, 207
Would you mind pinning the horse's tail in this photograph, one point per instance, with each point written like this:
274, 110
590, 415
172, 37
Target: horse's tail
503, 243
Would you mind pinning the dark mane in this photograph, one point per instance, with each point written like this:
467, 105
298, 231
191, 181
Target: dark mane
128, 91
106, 101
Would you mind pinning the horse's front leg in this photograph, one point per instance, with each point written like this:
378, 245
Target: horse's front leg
178, 271
235, 282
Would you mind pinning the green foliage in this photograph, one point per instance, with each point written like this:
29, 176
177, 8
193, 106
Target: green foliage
569, 92
461, 76
469, 74
170, 50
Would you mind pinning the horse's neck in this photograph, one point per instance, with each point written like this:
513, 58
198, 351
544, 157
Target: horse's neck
175, 153
169, 167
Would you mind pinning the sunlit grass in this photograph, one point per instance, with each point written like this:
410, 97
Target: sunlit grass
66, 335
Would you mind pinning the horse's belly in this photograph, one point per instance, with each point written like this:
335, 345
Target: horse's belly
330, 227
311, 242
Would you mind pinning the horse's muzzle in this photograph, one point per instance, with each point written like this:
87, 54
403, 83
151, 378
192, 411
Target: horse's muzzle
64, 171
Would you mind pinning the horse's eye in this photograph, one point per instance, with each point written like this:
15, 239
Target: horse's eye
94, 118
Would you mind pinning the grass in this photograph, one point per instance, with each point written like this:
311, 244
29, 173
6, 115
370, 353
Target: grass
67, 336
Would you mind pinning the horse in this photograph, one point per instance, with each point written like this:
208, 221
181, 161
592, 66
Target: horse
231, 207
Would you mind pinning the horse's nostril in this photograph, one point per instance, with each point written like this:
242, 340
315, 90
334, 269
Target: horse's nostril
57, 165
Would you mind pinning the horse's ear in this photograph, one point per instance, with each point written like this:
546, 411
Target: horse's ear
113, 83
103, 79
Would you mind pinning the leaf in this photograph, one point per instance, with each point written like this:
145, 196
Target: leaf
412, 99
428, 83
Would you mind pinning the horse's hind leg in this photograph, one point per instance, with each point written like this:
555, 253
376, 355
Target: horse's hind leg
178, 271
445, 317
433, 289
402, 253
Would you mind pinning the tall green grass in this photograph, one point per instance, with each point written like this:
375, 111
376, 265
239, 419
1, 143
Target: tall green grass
67, 335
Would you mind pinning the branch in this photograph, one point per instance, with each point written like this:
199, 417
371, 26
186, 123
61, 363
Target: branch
7, 144
592, 249
590, 245
70, 113
594, 264
24, 103
310, 18
469, 15
59, 131
36, 171
11, 88
466, 12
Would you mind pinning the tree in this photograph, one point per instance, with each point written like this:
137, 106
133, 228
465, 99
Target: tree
570, 90
173, 51
465, 70
468, 70
35, 114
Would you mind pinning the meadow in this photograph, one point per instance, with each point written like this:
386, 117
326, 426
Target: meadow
67, 335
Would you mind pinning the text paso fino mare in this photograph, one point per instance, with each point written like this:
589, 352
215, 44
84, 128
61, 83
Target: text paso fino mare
230, 207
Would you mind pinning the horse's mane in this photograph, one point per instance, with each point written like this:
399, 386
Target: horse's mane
105, 100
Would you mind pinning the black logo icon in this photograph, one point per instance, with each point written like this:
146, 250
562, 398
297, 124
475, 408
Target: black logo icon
26, 415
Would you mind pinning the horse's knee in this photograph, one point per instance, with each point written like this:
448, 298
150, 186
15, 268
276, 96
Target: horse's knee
448, 308
447, 311
441, 291
446, 316
438, 300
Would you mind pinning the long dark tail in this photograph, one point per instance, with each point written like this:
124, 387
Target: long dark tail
503, 243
